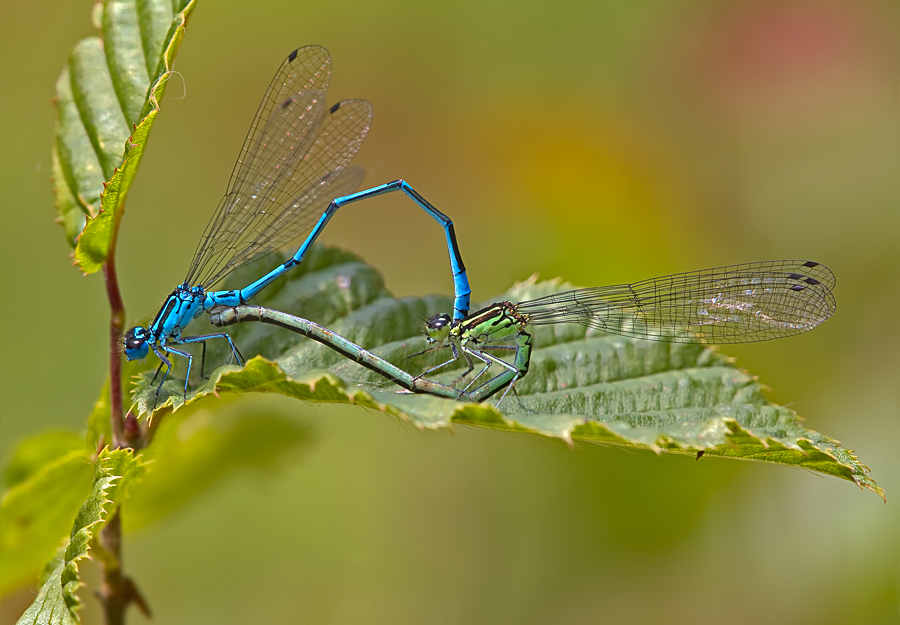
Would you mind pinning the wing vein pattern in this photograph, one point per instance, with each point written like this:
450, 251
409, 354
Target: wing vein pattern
734, 304
293, 163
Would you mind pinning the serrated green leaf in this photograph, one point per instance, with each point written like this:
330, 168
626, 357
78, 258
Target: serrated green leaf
583, 384
71, 213
115, 473
37, 510
190, 454
49, 606
107, 98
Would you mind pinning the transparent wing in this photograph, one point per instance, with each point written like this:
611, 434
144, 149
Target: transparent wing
734, 304
291, 166
295, 219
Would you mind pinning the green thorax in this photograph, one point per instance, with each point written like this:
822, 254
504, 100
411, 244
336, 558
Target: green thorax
491, 324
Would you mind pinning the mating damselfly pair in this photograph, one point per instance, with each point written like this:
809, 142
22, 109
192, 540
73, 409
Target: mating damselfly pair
293, 174
735, 304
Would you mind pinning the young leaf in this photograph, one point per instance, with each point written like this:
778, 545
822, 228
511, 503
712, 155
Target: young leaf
48, 478
32, 455
107, 98
115, 473
583, 384
49, 606
191, 453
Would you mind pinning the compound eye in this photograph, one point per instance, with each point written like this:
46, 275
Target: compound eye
437, 328
133, 343
134, 338
438, 322
136, 347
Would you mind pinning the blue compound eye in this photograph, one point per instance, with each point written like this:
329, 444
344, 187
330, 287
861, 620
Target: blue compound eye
136, 345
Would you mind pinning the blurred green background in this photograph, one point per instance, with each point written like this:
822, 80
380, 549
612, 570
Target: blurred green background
601, 141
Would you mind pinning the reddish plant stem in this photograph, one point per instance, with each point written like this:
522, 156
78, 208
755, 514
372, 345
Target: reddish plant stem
112, 588
116, 328
117, 590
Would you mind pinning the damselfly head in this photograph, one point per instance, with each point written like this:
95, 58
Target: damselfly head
437, 328
136, 343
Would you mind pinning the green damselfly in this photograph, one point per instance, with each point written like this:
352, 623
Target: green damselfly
735, 304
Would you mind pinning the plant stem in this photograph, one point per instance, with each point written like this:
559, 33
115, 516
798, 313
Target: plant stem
117, 591
116, 328
111, 588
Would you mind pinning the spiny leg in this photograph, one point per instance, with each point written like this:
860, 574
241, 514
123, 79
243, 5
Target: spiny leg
487, 365
469, 369
157, 372
443, 364
509, 388
163, 361
428, 351
493, 385
202, 338
190, 359
521, 362
487, 358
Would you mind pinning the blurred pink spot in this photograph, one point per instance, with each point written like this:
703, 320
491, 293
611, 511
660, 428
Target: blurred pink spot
787, 57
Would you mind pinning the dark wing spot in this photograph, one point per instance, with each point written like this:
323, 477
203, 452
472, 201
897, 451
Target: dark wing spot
293, 55
795, 276
812, 281
335, 107
797, 287
810, 264
287, 103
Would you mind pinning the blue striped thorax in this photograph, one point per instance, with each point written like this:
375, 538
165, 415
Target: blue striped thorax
181, 307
